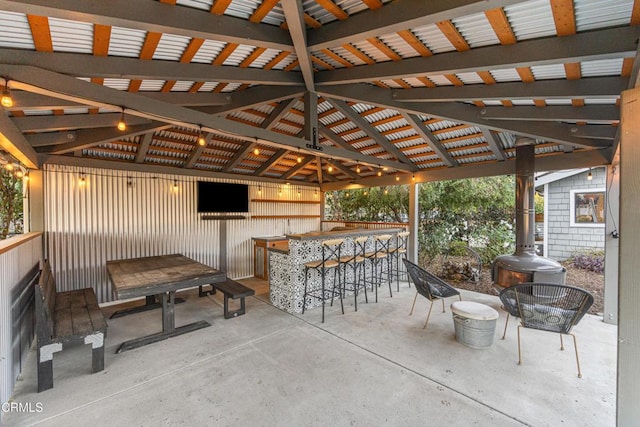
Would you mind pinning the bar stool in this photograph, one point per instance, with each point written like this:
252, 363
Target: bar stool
398, 252
355, 262
380, 254
330, 261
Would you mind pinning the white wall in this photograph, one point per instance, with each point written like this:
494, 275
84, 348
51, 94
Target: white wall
108, 218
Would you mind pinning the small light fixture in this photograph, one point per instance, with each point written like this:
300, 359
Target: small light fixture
315, 193
256, 151
19, 173
346, 194
259, 190
330, 168
589, 176
201, 140
413, 177
9, 167
299, 193
358, 169
379, 172
365, 192
82, 181
397, 177
175, 185
122, 125
279, 191
129, 182
386, 191
7, 101
299, 158
26, 176
288, 183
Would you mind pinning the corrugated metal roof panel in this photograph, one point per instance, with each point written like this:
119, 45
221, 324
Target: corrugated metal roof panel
470, 78
398, 45
441, 124
506, 75
390, 126
38, 112
556, 148
371, 51
604, 101
523, 102
467, 142
291, 130
265, 58
71, 36
392, 84
476, 30
342, 52
231, 87
295, 118
605, 67
275, 16
241, 8
440, 80
126, 42
431, 36
76, 111
120, 84
288, 60
247, 116
239, 54
324, 57
553, 71
381, 115
170, 47
558, 101
491, 102
592, 14
531, 19
507, 140
412, 81
355, 135
196, 4
208, 86
151, 85
475, 159
15, 31
208, 52
182, 86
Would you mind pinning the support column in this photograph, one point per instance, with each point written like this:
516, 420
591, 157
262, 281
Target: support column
628, 395
611, 243
412, 250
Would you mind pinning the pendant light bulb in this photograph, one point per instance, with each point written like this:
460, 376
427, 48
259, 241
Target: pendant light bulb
256, 151
397, 177
201, 140
122, 125
358, 169
590, 175
7, 101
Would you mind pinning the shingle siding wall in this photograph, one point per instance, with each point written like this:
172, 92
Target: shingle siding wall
563, 240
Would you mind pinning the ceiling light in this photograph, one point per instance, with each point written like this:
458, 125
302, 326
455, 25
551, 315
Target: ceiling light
122, 125
357, 168
413, 177
259, 190
379, 172
330, 168
397, 177
7, 101
256, 151
201, 140
590, 175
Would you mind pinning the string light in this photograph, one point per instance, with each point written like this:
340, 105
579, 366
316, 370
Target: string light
315, 193
122, 125
413, 177
299, 158
279, 191
259, 190
590, 176
379, 172
9, 167
19, 173
358, 168
26, 176
386, 191
201, 140
7, 100
82, 181
397, 177
365, 192
346, 194
175, 185
330, 168
256, 151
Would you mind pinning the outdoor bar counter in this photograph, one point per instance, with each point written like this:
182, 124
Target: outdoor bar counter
286, 264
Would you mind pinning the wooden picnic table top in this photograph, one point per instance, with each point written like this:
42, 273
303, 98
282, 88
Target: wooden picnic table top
136, 277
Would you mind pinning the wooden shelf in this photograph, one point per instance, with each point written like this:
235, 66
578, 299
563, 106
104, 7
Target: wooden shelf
308, 202
283, 216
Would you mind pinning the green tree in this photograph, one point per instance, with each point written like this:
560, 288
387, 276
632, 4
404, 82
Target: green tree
10, 203
477, 211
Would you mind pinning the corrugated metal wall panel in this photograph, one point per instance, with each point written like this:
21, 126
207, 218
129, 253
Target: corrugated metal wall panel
14, 265
121, 214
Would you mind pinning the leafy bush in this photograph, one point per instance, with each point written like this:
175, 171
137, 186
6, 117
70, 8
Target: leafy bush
592, 261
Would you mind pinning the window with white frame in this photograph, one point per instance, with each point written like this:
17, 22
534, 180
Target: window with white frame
587, 208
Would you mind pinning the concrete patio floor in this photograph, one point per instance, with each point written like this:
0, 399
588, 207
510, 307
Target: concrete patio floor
376, 366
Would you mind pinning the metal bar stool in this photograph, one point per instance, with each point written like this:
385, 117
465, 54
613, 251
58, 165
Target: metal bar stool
380, 254
398, 252
355, 262
330, 261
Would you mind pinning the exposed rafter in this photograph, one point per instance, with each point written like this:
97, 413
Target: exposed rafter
589, 46
295, 21
430, 139
157, 17
494, 144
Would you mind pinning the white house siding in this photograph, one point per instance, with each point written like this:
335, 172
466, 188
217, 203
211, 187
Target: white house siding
564, 240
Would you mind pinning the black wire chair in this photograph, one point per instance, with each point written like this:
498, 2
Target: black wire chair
546, 307
429, 286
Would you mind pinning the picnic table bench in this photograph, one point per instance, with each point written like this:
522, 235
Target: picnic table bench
230, 289
64, 317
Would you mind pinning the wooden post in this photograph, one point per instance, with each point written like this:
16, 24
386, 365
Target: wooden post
414, 199
628, 396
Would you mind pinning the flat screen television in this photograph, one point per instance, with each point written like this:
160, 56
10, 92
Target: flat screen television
222, 197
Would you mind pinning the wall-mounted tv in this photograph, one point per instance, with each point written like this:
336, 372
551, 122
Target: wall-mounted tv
222, 197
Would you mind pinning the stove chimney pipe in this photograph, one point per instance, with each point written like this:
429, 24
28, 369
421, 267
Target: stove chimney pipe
525, 206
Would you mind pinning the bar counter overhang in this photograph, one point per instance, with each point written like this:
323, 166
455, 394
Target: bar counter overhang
286, 265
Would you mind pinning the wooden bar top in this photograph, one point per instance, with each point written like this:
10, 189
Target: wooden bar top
154, 275
343, 233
